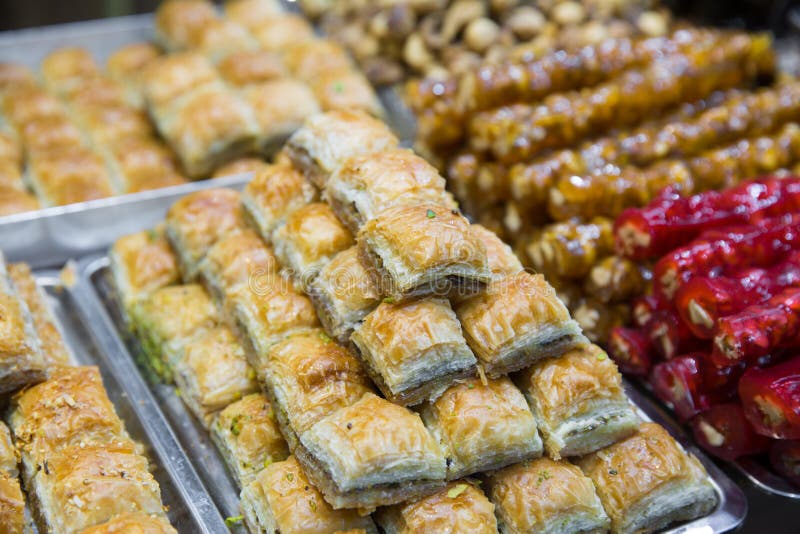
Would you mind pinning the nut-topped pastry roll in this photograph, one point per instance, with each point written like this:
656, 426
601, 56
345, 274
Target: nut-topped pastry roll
366, 185
68, 409
482, 427
237, 258
168, 77
126, 65
326, 141
54, 350
141, 263
248, 437
346, 89
212, 372
208, 127
516, 322
343, 294
280, 32
648, 481
252, 67
458, 507
219, 38
281, 499
12, 504
413, 349
177, 21
309, 239
280, 107
21, 358
422, 249
309, 377
77, 175
137, 522
545, 496
197, 221
64, 69
579, 402
267, 311
371, 453
165, 320
273, 194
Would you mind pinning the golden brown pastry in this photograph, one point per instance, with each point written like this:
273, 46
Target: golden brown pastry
96, 92
168, 77
219, 38
367, 185
423, 249
126, 66
343, 294
458, 508
77, 175
371, 453
279, 32
141, 263
54, 349
309, 239
545, 496
207, 128
8, 453
501, 258
281, 499
165, 321
346, 89
212, 372
251, 13
647, 481
327, 140
268, 310
309, 377
579, 402
241, 166
24, 104
10, 147
49, 134
273, 194
68, 409
413, 349
11, 175
311, 58
110, 124
517, 321
21, 358
280, 107
143, 163
252, 67
248, 437
197, 221
482, 427
178, 20
14, 75
134, 523
12, 505
66, 68
237, 258
15, 201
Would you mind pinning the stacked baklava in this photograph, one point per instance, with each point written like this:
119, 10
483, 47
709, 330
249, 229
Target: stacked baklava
382, 327
80, 467
547, 151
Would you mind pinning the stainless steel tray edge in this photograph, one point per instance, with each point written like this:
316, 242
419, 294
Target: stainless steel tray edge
732, 508
173, 459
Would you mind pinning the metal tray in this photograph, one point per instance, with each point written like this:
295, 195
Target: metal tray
50, 237
95, 282
189, 506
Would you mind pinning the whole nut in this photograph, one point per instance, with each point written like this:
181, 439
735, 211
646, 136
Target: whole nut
379, 25
415, 53
652, 23
459, 14
569, 13
481, 33
526, 22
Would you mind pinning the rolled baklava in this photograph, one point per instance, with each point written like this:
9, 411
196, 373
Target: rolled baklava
197, 221
423, 249
482, 427
168, 77
143, 163
241, 166
459, 507
219, 38
8, 453
647, 481
346, 89
413, 349
343, 294
137, 522
252, 67
272, 195
309, 377
364, 186
212, 372
545, 496
327, 140
54, 350
140, 263
251, 13
516, 322
579, 402
21, 358
66, 68
501, 258
165, 321
247, 436
309, 239
371, 453
76, 175
281, 499
310, 59
126, 66
177, 21
24, 104
15, 201
279, 32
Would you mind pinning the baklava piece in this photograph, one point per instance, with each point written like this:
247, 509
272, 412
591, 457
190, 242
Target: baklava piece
251, 13
168, 77
177, 21
241, 166
64, 69
137, 522
647, 482
346, 89
279, 32
252, 67
272, 195
516, 322
126, 66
